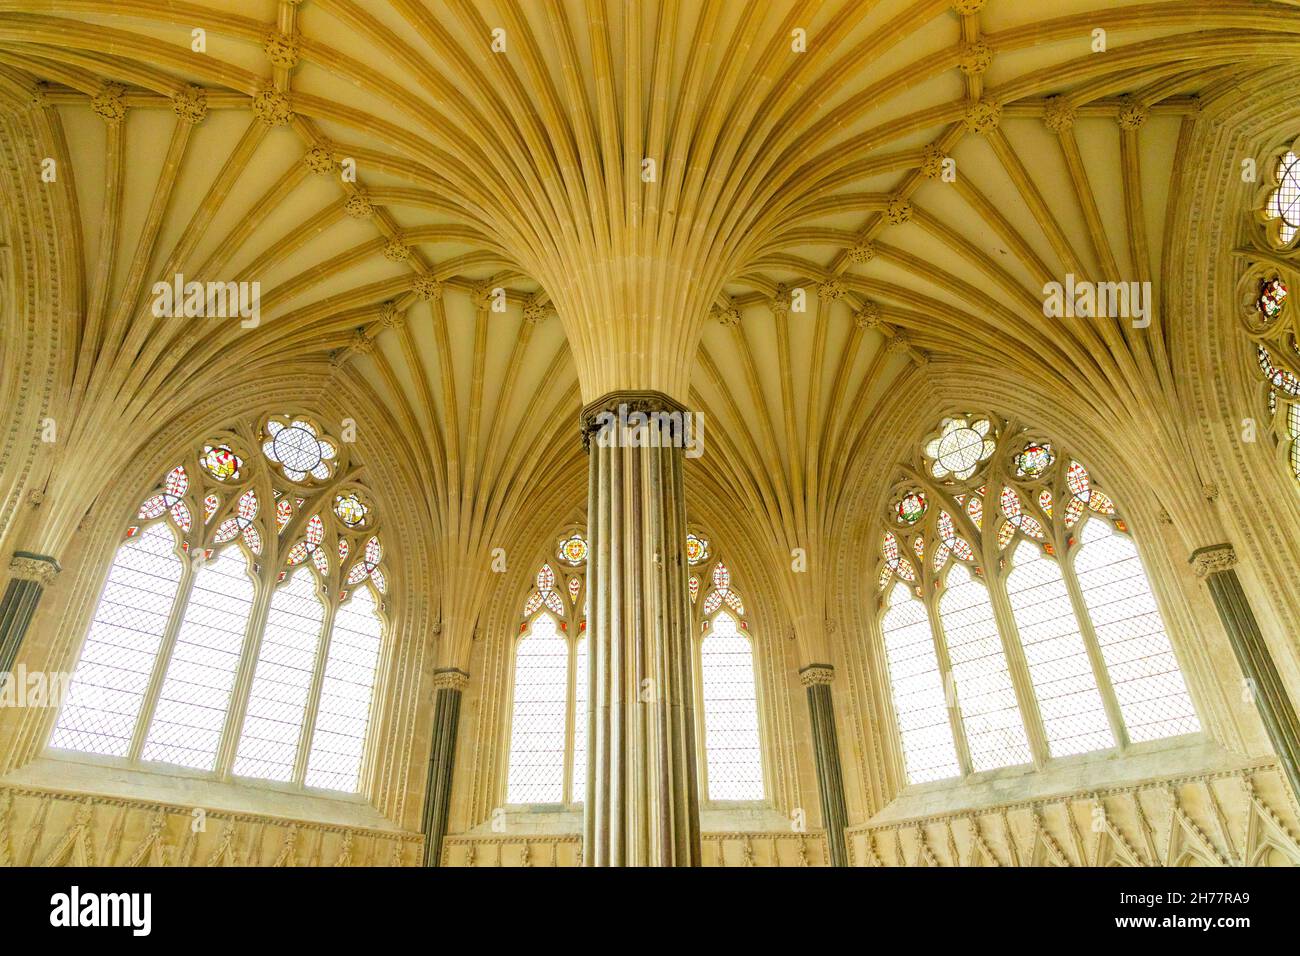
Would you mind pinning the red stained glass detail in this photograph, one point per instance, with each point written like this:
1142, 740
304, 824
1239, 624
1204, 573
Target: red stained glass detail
283, 513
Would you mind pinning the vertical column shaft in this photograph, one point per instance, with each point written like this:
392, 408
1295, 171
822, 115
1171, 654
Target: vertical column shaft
1217, 567
642, 802
448, 684
830, 779
31, 575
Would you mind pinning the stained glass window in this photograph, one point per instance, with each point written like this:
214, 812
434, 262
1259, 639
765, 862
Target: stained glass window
548, 736
1018, 554
697, 548
735, 760
547, 759
185, 664
573, 550
722, 594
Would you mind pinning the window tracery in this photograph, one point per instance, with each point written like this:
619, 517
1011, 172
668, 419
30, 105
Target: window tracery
1018, 623
246, 643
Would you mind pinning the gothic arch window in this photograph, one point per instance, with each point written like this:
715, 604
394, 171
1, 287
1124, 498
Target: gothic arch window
240, 627
1264, 309
547, 761
726, 691
1018, 624
547, 750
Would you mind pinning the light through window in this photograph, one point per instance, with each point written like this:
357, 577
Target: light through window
1075, 660
209, 648
731, 743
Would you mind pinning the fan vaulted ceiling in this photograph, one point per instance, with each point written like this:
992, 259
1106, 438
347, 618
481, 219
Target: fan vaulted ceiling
910, 172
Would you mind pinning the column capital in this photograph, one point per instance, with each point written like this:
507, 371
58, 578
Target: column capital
41, 568
815, 674
1213, 560
450, 678
620, 407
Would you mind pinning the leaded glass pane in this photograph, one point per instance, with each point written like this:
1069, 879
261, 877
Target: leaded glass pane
580, 677
537, 725
1074, 717
191, 712
339, 738
735, 760
995, 733
1152, 696
109, 684
286, 660
919, 702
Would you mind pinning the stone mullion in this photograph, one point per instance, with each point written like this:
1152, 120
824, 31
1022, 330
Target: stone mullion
153, 689
313, 693
1017, 664
1216, 566
950, 692
248, 654
1099, 671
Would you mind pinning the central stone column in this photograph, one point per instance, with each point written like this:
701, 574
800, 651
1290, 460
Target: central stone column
642, 804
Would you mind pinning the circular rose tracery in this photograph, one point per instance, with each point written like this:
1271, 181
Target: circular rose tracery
299, 450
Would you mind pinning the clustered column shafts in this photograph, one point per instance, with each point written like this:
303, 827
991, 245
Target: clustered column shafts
448, 683
830, 778
642, 802
1217, 566
30, 574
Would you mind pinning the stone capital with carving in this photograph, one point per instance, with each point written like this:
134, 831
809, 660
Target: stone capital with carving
1213, 560
628, 401
26, 566
450, 678
816, 674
